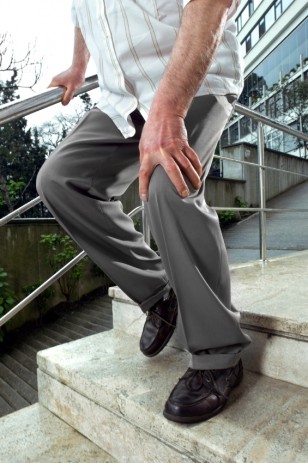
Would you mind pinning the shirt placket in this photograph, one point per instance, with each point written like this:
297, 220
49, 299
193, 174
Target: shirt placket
114, 60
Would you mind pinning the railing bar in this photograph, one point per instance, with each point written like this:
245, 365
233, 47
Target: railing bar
19, 211
135, 211
257, 209
262, 197
51, 280
41, 288
15, 110
244, 110
253, 164
34, 202
11, 111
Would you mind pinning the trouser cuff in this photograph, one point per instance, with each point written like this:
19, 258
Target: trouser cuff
214, 361
148, 303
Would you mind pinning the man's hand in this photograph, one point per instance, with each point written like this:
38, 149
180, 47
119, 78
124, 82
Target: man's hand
164, 142
164, 138
70, 81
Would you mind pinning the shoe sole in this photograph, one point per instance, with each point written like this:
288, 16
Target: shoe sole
200, 418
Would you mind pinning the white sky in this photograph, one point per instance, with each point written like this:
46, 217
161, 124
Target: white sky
47, 26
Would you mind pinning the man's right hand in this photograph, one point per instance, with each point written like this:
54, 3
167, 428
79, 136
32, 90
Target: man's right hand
70, 81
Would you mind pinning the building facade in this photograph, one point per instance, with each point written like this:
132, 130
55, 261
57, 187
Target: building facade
274, 40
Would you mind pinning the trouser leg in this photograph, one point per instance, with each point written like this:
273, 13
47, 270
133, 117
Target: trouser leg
78, 183
190, 242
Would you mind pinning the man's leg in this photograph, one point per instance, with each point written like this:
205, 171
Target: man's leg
78, 182
190, 242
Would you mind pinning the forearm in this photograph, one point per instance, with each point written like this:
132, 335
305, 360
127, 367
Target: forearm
199, 36
81, 53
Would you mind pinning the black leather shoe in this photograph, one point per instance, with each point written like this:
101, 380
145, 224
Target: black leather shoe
159, 325
201, 394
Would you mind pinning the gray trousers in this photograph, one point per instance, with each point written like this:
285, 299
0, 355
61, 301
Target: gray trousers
94, 164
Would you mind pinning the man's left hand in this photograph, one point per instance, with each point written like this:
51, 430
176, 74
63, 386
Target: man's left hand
164, 142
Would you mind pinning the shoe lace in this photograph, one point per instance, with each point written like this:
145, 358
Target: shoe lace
198, 379
157, 320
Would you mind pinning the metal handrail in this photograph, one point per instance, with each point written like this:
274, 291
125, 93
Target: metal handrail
21, 108
24, 107
20, 211
265, 120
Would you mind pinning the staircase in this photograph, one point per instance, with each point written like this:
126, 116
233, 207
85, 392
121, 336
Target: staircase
101, 400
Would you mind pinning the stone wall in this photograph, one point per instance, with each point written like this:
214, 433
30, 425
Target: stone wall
275, 182
24, 259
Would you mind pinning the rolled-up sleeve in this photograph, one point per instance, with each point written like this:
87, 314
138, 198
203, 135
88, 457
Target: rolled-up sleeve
74, 15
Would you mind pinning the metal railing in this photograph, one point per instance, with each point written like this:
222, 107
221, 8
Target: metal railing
21, 108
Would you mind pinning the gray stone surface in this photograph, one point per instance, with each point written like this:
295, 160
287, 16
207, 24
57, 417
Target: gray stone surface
272, 300
286, 231
103, 386
34, 435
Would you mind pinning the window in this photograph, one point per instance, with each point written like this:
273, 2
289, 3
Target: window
234, 133
244, 15
269, 18
261, 27
256, 3
285, 4
254, 36
278, 8
265, 22
282, 61
248, 43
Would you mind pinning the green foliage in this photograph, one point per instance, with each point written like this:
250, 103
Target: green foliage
7, 300
60, 250
238, 202
42, 298
14, 189
21, 156
226, 217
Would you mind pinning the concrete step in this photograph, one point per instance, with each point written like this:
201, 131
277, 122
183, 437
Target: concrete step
272, 299
108, 391
35, 435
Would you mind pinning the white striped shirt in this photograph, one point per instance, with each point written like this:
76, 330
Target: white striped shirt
131, 42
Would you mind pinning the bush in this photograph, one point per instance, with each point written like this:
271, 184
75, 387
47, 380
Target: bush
7, 299
60, 250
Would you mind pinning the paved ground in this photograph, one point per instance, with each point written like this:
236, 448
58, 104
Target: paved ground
287, 232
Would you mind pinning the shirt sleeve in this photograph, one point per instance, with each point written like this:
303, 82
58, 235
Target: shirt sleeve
74, 15
234, 6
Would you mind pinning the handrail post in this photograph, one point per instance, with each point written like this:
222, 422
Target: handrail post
146, 227
262, 197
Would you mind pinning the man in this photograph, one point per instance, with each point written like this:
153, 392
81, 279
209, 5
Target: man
169, 73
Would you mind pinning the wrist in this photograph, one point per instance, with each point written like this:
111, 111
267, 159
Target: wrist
167, 107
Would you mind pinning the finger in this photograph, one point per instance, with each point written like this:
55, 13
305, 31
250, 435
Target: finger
145, 173
67, 95
194, 158
52, 84
173, 171
188, 169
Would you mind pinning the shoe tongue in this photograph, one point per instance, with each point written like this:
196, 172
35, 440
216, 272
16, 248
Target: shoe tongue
198, 379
